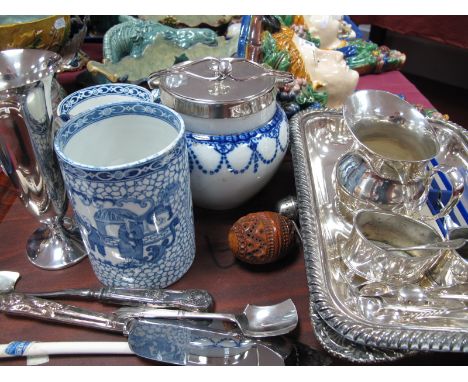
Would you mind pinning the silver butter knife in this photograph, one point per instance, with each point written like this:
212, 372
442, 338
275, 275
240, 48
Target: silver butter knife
197, 300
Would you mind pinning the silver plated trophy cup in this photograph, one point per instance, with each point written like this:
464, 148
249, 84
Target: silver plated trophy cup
27, 156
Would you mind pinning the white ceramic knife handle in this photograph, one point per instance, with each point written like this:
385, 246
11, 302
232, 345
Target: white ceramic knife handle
32, 349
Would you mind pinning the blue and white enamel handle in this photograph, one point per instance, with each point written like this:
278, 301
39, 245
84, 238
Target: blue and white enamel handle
37, 353
34, 349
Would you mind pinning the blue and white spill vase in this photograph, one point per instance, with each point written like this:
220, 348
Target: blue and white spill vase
126, 169
98, 95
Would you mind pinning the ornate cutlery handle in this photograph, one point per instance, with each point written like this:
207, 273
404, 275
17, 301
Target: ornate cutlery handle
190, 299
127, 314
23, 305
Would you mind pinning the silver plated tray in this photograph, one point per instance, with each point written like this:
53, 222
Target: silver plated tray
318, 139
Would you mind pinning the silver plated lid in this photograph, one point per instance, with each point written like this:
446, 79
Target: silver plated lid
218, 88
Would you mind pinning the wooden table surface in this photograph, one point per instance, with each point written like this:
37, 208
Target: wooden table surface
231, 283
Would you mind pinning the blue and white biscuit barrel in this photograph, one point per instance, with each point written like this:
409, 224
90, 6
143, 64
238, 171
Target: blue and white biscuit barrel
126, 169
237, 135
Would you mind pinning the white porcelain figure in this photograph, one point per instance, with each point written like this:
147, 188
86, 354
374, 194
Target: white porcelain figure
328, 68
328, 29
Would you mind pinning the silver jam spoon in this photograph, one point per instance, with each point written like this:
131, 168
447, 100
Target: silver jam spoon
448, 244
254, 321
413, 294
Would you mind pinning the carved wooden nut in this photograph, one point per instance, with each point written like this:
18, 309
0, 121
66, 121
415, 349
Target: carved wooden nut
261, 237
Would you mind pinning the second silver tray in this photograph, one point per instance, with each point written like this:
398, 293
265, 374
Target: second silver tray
318, 139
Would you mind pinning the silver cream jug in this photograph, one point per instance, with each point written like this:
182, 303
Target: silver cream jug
388, 166
27, 156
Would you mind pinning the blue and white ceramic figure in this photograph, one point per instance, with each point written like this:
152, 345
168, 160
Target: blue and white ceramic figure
127, 174
227, 170
90, 97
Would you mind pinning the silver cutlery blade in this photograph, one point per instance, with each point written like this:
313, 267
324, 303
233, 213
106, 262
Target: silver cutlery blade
186, 343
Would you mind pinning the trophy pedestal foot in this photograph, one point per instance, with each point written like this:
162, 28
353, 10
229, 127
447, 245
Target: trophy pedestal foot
56, 246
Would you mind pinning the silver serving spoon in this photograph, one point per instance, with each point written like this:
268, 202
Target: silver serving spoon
448, 244
414, 294
254, 321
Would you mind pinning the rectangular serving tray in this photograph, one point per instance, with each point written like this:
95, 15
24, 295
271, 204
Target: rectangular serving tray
318, 139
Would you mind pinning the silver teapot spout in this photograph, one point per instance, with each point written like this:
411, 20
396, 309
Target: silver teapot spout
27, 156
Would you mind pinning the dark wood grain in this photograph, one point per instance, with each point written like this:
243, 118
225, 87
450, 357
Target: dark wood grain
7, 195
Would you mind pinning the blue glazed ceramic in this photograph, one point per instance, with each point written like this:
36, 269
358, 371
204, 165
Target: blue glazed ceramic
126, 170
226, 170
87, 98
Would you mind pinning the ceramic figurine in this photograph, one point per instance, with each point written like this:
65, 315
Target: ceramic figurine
72, 55
367, 57
432, 113
324, 70
135, 48
272, 40
130, 38
332, 32
191, 21
326, 32
261, 237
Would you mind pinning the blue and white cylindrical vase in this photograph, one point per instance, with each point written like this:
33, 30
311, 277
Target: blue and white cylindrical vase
126, 169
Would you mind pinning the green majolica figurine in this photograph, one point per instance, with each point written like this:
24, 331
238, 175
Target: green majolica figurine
322, 52
322, 76
131, 37
367, 57
192, 21
135, 48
